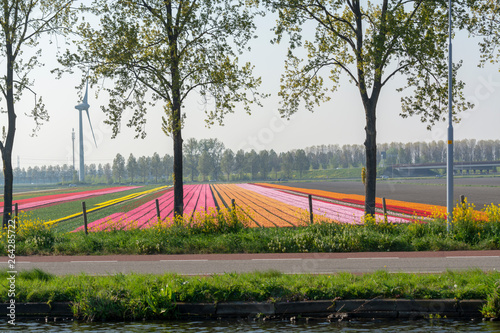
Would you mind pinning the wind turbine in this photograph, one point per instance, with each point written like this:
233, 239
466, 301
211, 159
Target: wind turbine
84, 106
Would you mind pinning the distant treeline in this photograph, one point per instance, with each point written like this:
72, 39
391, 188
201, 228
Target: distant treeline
208, 159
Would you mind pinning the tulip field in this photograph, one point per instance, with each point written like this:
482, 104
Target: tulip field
404, 207
262, 205
196, 198
265, 205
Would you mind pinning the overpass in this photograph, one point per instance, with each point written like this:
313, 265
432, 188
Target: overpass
461, 168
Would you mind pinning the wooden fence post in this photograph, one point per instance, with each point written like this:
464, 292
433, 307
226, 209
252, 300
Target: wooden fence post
16, 210
384, 206
85, 217
158, 209
233, 209
462, 199
311, 217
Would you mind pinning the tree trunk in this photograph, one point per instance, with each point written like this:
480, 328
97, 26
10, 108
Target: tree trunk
8, 187
178, 181
371, 158
9, 142
176, 117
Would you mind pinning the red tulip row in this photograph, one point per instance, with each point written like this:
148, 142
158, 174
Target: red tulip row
404, 207
47, 200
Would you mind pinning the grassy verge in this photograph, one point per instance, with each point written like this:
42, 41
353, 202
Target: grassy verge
137, 296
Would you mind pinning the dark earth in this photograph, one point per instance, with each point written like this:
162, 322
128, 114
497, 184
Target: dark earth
479, 191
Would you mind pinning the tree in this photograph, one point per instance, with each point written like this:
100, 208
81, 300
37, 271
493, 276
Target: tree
371, 44
156, 166
108, 173
169, 49
323, 160
144, 168
214, 148
36, 174
252, 163
301, 162
91, 172
240, 163
314, 160
227, 162
483, 19
287, 162
191, 155
168, 164
274, 162
22, 24
119, 168
205, 164
100, 172
132, 167
265, 164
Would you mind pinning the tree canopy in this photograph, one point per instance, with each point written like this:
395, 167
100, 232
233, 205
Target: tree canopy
160, 51
370, 42
482, 18
22, 23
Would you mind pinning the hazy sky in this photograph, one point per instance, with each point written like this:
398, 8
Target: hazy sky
340, 121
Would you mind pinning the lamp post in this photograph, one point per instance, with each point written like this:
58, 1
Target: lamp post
449, 164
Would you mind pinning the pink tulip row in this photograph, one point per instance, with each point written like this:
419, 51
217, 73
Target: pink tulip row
196, 198
58, 198
340, 213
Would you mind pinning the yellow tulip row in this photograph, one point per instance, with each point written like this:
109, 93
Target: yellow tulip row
108, 203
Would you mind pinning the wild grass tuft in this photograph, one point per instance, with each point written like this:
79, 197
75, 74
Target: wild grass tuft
492, 307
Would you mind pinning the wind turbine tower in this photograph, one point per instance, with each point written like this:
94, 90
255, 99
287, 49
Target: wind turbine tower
73, 139
84, 106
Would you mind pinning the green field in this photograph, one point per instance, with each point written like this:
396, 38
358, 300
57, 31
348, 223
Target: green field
60, 210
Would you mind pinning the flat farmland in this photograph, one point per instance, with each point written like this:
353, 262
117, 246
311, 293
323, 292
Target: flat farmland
479, 191
265, 205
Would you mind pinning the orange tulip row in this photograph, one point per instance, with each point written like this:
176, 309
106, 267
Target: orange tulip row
264, 211
288, 215
223, 199
409, 208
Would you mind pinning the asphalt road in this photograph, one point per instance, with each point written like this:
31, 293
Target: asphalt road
290, 263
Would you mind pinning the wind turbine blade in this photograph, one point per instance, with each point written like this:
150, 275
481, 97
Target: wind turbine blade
85, 98
90, 123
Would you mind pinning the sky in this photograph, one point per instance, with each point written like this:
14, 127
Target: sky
339, 121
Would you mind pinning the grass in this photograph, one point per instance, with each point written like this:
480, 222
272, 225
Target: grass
341, 173
137, 296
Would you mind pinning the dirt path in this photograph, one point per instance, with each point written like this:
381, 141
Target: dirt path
480, 191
